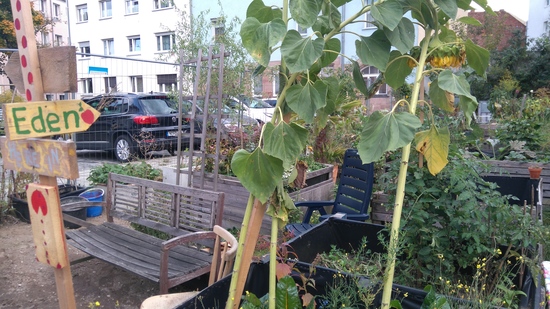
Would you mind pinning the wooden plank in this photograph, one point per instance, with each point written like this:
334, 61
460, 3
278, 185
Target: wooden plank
39, 156
46, 219
46, 118
136, 252
54, 62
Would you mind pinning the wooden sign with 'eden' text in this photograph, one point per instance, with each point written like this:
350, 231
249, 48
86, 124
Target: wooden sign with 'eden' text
39, 119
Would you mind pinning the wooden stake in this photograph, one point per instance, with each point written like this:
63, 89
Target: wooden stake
30, 68
252, 235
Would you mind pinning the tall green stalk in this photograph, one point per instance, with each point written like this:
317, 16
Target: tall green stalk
402, 179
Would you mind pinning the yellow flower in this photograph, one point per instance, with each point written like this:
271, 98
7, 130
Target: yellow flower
478, 266
406, 294
440, 256
480, 301
97, 304
448, 282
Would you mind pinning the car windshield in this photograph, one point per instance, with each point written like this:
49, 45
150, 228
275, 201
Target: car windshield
157, 106
255, 103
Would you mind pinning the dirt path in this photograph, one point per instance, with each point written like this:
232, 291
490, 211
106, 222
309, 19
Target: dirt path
26, 283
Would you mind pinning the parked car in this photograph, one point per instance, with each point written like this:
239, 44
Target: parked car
133, 124
252, 107
231, 120
271, 101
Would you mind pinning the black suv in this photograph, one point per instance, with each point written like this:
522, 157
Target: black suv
133, 124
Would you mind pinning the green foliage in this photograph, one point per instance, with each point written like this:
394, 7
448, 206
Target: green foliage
522, 129
150, 231
442, 210
286, 297
9, 97
100, 174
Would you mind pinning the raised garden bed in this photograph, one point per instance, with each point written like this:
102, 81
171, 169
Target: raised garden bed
520, 169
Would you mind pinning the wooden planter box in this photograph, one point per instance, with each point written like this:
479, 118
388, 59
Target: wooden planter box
520, 169
319, 187
378, 212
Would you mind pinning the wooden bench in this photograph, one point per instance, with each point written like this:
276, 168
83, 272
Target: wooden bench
186, 214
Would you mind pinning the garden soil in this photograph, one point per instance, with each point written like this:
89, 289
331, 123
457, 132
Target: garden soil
26, 283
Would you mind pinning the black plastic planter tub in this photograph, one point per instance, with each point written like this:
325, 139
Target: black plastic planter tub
344, 234
21, 207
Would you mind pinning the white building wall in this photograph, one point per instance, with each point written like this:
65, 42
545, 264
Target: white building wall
56, 10
146, 24
539, 18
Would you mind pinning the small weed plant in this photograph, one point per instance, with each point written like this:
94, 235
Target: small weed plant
100, 174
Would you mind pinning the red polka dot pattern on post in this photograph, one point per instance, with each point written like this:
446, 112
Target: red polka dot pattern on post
24, 42
30, 78
28, 95
18, 6
17, 24
23, 61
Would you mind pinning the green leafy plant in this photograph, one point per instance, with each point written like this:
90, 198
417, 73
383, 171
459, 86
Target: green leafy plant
100, 174
305, 94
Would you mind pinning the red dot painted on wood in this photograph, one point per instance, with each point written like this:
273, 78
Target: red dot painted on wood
45, 243
24, 61
24, 42
43, 233
30, 78
48, 261
38, 202
17, 24
58, 266
18, 6
28, 95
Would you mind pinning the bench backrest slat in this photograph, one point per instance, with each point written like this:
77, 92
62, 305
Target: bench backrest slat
165, 207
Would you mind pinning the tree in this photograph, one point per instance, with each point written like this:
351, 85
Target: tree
7, 30
195, 32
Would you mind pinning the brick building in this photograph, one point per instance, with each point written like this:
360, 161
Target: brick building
496, 30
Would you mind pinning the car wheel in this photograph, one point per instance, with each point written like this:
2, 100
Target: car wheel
124, 148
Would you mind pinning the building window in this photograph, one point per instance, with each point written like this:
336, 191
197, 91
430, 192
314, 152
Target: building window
56, 10
302, 31
167, 82
45, 39
49, 97
218, 28
84, 48
370, 73
87, 85
258, 84
82, 13
110, 84
105, 9
58, 40
62, 97
137, 83
43, 6
109, 47
162, 4
132, 6
134, 44
369, 21
165, 41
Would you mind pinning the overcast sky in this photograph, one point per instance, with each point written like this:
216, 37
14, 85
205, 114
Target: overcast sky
517, 8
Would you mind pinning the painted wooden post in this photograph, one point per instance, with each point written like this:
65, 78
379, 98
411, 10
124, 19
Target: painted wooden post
48, 221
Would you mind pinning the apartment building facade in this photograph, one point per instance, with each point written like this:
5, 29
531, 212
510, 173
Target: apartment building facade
539, 18
123, 45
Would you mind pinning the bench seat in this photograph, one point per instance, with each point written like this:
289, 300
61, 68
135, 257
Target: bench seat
137, 252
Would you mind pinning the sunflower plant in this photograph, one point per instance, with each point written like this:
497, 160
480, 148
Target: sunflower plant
308, 96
